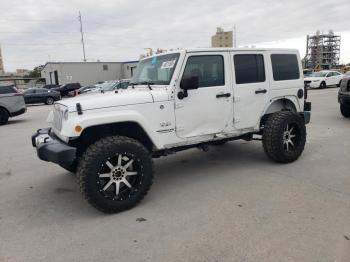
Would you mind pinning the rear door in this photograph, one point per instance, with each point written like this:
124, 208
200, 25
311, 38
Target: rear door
251, 87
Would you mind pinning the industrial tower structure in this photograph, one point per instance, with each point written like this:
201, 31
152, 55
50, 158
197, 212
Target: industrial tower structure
2, 70
322, 51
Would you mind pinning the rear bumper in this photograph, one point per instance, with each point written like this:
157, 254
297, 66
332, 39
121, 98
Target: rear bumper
51, 149
19, 112
306, 115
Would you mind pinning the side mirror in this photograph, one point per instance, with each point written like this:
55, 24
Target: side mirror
189, 83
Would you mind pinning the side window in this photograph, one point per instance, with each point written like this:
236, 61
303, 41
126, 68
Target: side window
249, 68
329, 74
41, 91
285, 67
208, 68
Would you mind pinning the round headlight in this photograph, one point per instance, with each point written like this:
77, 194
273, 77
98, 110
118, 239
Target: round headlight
65, 114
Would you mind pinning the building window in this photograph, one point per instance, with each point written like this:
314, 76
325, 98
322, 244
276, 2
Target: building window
105, 67
249, 68
285, 67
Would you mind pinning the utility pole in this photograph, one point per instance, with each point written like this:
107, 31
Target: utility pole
82, 35
234, 36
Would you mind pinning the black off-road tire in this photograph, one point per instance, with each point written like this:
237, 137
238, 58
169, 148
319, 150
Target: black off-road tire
274, 132
323, 85
95, 158
49, 100
345, 110
4, 116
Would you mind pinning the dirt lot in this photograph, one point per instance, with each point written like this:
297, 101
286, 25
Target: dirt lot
229, 204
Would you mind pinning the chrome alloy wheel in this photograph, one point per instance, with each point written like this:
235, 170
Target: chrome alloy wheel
118, 178
289, 137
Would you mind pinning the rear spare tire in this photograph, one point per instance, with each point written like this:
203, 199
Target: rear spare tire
284, 136
115, 173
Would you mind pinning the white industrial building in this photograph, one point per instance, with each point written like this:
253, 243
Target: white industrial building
86, 73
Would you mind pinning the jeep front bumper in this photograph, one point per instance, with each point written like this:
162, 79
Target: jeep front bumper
51, 149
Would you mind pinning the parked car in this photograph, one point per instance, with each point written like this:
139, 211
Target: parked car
106, 86
323, 79
179, 100
50, 86
11, 103
114, 85
344, 96
65, 89
82, 90
41, 95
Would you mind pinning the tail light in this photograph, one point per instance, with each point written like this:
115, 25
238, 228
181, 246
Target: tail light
18, 93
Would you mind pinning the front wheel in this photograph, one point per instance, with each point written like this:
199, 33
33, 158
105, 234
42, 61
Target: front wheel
323, 85
115, 173
345, 111
284, 137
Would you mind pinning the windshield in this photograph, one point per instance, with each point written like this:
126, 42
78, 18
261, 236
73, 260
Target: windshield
156, 70
319, 74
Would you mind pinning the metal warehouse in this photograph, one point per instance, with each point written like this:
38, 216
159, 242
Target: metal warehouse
86, 73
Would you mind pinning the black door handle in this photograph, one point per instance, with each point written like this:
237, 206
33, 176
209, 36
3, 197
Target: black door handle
260, 91
223, 95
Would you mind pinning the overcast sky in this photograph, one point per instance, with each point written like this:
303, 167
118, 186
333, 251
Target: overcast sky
33, 32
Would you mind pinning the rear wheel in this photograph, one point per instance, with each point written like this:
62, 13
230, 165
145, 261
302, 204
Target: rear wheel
49, 101
4, 116
323, 85
284, 137
345, 110
115, 173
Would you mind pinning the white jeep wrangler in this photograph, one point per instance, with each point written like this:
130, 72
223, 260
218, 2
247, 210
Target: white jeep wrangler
175, 101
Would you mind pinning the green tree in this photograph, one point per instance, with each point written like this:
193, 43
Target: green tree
35, 73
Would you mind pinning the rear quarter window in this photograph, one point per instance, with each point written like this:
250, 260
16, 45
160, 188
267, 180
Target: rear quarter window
7, 89
285, 67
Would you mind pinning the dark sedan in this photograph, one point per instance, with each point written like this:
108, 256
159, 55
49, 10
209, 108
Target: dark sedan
41, 95
65, 89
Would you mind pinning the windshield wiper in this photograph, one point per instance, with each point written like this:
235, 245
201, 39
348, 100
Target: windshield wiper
143, 83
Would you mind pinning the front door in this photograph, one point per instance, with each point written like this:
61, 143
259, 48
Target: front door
208, 109
251, 88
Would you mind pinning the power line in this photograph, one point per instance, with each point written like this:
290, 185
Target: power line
82, 35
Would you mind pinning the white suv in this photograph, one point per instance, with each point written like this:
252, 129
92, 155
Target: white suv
175, 101
323, 79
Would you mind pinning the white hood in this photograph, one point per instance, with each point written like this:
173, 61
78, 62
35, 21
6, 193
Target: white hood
139, 95
313, 78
